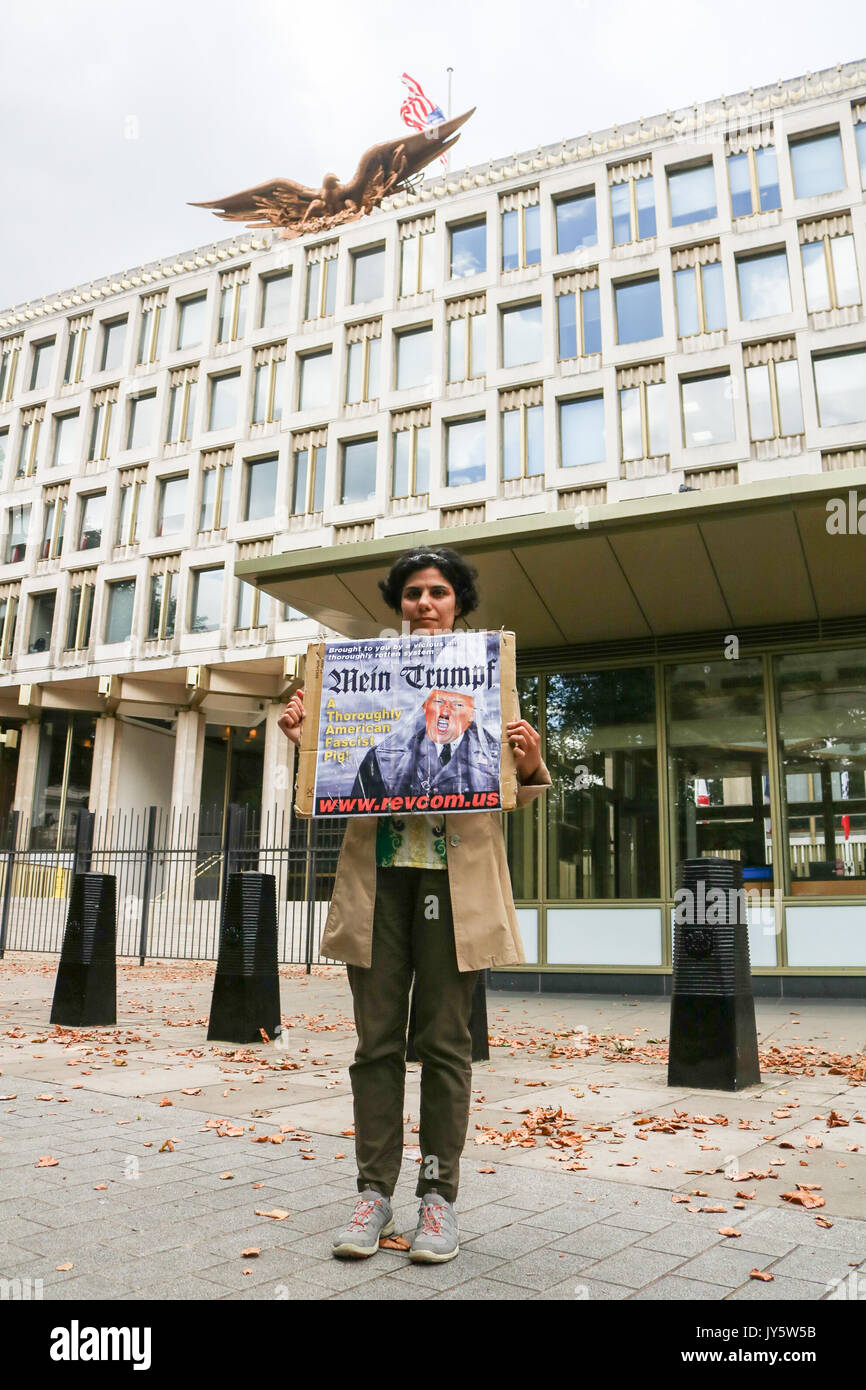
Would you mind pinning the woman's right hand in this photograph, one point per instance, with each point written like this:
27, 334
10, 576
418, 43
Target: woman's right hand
292, 717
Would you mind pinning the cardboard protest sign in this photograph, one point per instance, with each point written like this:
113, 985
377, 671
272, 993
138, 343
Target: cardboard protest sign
408, 726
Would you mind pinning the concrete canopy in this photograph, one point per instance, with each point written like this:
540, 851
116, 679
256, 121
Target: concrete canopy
722, 560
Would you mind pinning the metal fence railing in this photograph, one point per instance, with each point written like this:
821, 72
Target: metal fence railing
171, 870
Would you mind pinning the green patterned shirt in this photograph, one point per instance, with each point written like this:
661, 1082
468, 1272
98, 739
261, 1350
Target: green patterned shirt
411, 842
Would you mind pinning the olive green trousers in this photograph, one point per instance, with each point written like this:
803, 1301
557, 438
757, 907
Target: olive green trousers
413, 933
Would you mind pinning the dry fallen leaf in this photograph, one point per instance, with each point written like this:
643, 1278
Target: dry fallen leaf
486, 1169
803, 1198
393, 1243
167, 1147
729, 1231
761, 1274
46, 1162
68, 1265
226, 1175
276, 1215
248, 1254
165, 1101
822, 1221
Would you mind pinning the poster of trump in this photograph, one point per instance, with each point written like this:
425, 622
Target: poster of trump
407, 725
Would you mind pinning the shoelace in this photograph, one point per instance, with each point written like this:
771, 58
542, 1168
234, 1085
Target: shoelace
363, 1212
432, 1223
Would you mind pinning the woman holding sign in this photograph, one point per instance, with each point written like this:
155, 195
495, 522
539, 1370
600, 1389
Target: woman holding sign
429, 896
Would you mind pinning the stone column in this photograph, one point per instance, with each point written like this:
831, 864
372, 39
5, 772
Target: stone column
185, 796
106, 746
25, 782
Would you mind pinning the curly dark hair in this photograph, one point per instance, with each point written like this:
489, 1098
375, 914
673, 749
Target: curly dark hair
460, 575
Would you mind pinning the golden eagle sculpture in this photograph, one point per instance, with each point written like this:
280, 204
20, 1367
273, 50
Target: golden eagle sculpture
297, 210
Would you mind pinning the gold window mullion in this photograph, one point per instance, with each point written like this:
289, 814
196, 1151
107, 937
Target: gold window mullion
106, 425
632, 198
413, 461
699, 297
155, 335
184, 411
521, 237
775, 413
831, 274
753, 181
133, 512
272, 383
419, 272
467, 356
524, 441
644, 421
236, 302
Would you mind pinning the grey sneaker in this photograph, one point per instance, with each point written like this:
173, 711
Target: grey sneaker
435, 1238
371, 1219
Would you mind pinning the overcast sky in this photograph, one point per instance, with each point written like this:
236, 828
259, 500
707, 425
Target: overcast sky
115, 114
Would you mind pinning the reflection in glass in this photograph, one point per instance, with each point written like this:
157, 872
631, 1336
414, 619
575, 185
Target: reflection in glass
575, 223
718, 771
638, 310
359, 470
692, 194
190, 321
521, 335
276, 299
602, 810
469, 249
207, 599
368, 275
708, 410
764, 287
840, 384
466, 457
414, 358
817, 165
581, 431
822, 748
121, 599
314, 390
521, 831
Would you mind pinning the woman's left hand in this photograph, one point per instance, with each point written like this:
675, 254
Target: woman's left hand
526, 746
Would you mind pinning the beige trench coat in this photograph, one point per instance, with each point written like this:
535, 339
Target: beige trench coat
485, 923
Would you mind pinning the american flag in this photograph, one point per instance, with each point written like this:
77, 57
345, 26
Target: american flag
418, 110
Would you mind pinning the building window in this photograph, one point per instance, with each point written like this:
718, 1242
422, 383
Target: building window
252, 606
521, 231
41, 621
40, 370
80, 618
829, 265
100, 424
719, 783
603, 826
67, 440
4, 445
638, 310
816, 162
8, 623
142, 420
321, 296
121, 601
28, 442
465, 451
73, 366
576, 224
578, 315
368, 275
233, 306
162, 608
215, 494
52, 528
840, 384
359, 470
181, 405
308, 481
126, 531
314, 380
581, 431
18, 519
224, 396
773, 391
276, 300
410, 475
468, 248
414, 358
708, 410
632, 207
113, 337
643, 420
150, 329
190, 321
363, 359
269, 385
467, 340
171, 509
700, 291
63, 775
692, 194
523, 438
416, 257
260, 493
753, 179
91, 518
820, 729
291, 614
11, 350
860, 135
521, 334
764, 287
207, 599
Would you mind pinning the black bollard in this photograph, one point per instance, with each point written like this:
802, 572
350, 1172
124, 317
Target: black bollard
713, 1038
246, 990
85, 991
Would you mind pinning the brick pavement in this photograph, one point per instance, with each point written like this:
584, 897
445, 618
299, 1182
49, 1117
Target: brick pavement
136, 1217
